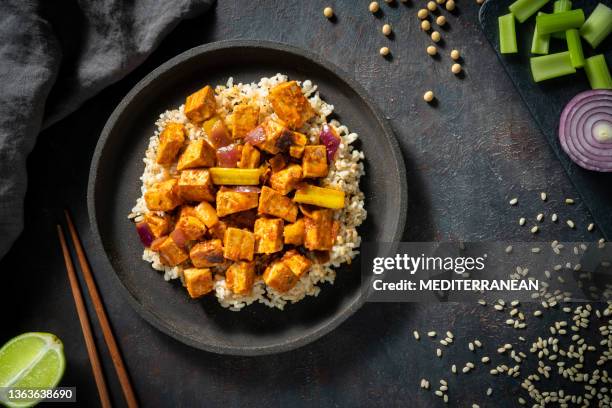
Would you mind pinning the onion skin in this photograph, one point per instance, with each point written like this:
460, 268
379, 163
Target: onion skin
585, 113
331, 140
145, 234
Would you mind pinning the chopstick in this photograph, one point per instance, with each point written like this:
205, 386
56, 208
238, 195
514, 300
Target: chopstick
85, 326
109, 338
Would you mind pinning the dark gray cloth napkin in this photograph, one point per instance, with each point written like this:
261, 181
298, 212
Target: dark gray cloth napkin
55, 55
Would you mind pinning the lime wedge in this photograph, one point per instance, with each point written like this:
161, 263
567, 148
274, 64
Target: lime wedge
31, 360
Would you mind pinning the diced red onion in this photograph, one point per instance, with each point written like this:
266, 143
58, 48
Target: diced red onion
331, 140
241, 189
229, 156
256, 136
145, 233
585, 130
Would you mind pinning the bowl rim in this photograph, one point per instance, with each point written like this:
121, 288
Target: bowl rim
149, 315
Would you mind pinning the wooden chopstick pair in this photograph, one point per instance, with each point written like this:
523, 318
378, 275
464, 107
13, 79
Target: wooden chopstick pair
109, 338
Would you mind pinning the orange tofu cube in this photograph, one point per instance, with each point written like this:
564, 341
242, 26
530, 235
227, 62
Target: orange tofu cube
171, 253
290, 104
287, 179
320, 230
196, 185
201, 105
191, 227
207, 214
314, 162
238, 244
297, 262
198, 282
296, 151
268, 235
163, 196
279, 277
207, 254
244, 118
250, 157
230, 202
171, 140
294, 233
198, 153
218, 230
240, 276
271, 202
273, 130
216, 132
158, 225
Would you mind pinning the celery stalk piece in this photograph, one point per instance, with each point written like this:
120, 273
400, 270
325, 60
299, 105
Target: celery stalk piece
540, 43
598, 73
523, 9
551, 23
558, 7
234, 177
598, 26
507, 34
551, 66
574, 46
322, 197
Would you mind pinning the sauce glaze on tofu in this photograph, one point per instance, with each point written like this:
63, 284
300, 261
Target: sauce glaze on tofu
229, 208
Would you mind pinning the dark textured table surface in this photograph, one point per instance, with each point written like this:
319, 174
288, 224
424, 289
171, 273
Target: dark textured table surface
465, 158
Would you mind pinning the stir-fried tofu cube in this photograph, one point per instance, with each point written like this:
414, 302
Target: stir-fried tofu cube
239, 277
216, 132
191, 226
290, 104
250, 157
196, 185
198, 281
287, 179
294, 233
170, 142
198, 153
201, 105
272, 131
279, 277
230, 202
157, 224
238, 244
268, 235
296, 151
171, 253
297, 262
320, 230
271, 202
207, 214
244, 119
207, 254
314, 162
218, 230
163, 196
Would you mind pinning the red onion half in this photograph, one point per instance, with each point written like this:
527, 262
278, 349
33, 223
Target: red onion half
585, 130
331, 140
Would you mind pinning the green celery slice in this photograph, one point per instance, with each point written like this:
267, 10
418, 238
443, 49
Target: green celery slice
598, 73
598, 26
523, 9
507, 34
551, 23
551, 66
540, 43
558, 7
574, 46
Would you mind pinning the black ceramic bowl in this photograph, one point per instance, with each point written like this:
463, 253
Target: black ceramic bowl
114, 186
